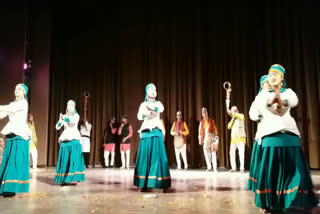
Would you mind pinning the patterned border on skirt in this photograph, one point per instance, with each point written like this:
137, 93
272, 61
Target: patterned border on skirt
153, 177
14, 181
67, 174
283, 192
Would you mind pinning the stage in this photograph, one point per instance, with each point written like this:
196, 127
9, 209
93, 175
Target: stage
111, 191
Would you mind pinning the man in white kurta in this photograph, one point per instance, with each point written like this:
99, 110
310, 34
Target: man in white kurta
238, 138
85, 131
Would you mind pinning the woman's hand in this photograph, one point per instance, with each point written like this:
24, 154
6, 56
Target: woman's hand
150, 108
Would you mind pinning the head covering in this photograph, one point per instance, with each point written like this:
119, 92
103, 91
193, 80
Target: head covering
147, 88
263, 79
277, 68
25, 89
74, 102
284, 84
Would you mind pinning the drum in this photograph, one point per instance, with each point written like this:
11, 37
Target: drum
178, 141
212, 142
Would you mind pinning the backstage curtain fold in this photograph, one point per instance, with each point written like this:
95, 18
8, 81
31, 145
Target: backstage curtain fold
188, 53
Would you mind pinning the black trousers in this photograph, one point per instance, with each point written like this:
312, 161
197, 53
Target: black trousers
86, 156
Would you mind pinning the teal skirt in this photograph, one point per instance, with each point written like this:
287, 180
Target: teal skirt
253, 166
283, 177
70, 166
14, 171
152, 167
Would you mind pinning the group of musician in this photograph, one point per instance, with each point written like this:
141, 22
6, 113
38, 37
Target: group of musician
279, 173
124, 131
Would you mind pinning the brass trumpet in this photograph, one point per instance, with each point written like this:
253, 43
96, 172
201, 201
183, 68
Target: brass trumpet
86, 95
227, 87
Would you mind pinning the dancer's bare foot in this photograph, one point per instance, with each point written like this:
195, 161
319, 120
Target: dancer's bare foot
265, 210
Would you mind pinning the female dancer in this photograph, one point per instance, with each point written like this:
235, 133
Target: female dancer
152, 168
70, 166
14, 171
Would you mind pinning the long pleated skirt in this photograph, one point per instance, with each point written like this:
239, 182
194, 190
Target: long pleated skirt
14, 170
70, 166
152, 167
253, 166
283, 177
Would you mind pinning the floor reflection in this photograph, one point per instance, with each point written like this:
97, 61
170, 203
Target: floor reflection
111, 191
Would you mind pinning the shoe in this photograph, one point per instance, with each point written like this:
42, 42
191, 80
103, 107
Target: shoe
165, 190
179, 168
208, 170
8, 194
122, 167
87, 166
215, 170
186, 168
242, 170
144, 189
232, 170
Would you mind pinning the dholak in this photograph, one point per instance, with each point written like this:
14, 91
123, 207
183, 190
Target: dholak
213, 142
178, 141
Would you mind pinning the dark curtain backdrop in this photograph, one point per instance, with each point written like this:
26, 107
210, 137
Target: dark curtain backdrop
188, 51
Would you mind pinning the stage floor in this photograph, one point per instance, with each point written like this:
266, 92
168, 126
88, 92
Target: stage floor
111, 191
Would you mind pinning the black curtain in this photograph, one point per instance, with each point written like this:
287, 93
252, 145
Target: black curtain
188, 51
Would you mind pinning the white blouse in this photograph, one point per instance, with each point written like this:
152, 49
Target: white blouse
272, 123
150, 121
254, 115
17, 112
70, 131
85, 130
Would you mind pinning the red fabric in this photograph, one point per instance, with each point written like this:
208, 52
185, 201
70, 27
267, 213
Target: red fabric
109, 147
114, 130
211, 129
179, 126
203, 130
211, 126
124, 146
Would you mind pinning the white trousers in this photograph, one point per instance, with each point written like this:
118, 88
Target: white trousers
106, 157
211, 158
183, 151
34, 155
233, 148
125, 159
